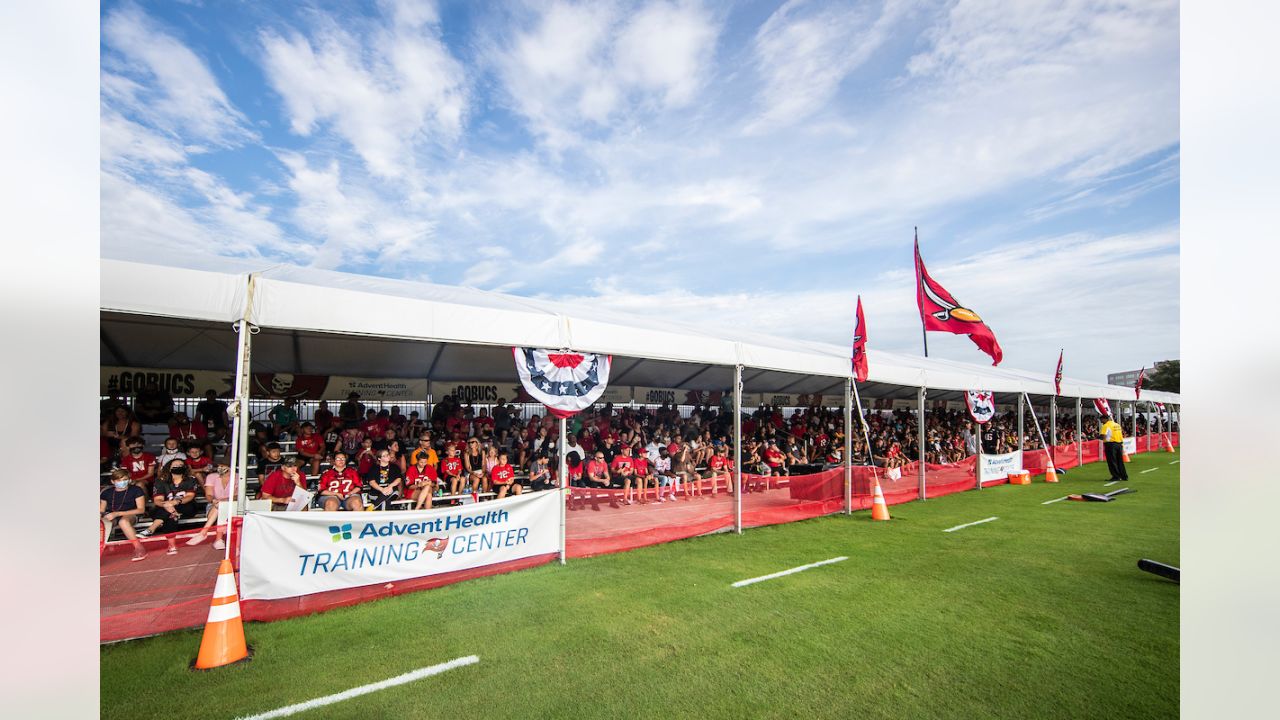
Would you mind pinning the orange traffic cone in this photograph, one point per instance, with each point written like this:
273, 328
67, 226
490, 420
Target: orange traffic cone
1168, 444
1050, 474
223, 641
1124, 456
879, 508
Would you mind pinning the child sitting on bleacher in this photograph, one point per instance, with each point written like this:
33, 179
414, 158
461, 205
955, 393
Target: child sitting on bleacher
174, 501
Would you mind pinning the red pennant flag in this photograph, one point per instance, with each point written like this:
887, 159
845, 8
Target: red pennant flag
1137, 389
1057, 376
941, 312
860, 345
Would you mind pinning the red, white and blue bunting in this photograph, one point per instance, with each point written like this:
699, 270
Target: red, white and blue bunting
982, 405
566, 383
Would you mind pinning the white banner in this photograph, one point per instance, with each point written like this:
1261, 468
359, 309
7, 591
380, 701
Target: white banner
375, 389
998, 467
289, 554
1131, 446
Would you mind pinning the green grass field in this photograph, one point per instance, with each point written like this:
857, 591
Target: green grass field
1040, 614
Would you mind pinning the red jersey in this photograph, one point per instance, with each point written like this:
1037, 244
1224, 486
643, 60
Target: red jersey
199, 463
641, 464
718, 462
342, 483
482, 422
277, 485
365, 461
451, 466
597, 467
623, 463
575, 473
454, 423
139, 465
311, 444
588, 444
418, 477
502, 474
773, 458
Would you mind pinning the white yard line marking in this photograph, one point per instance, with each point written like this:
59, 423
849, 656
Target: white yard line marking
762, 578
1149, 470
366, 689
1050, 502
979, 522
1109, 484
1175, 462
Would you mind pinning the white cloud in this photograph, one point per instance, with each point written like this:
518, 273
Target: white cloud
804, 51
583, 65
354, 224
153, 73
385, 92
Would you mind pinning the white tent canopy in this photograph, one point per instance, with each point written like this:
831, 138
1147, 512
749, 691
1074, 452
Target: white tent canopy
324, 322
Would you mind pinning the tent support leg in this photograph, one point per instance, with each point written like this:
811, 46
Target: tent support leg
920, 423
1022, 438
563, 474
737, 449
1079, 436
848, 446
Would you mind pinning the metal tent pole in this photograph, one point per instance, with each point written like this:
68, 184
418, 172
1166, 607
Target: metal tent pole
848, 445
737, 449
1079, 436
240, 427
977, 469
564, 485
1022, 438
920, 393
1133, 408
1053, 430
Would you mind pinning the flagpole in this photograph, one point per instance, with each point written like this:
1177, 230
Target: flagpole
1037, 424
924, 335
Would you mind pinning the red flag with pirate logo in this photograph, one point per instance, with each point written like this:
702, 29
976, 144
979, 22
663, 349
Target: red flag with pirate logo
1137, 389
1102, 406
860, 345
941, 312
1057, 376
566, 383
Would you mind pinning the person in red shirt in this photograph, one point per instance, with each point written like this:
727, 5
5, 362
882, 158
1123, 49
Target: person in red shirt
140, 464
598, 470
451, 469
482, 426
775, 459
198, 464
280, 483
503, 477
623, 469
189, 433
384, 481
718, 469
310, 447
420, 483
340, 486
324, 416
640, 465
366, 458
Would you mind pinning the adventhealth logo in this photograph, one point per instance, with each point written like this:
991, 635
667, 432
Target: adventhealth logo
340, 532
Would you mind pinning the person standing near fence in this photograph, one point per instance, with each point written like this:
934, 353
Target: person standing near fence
1113, 448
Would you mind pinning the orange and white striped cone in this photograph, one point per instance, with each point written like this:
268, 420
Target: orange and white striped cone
1168, 444
1124, 456
879, 508
1051, 474
223, 640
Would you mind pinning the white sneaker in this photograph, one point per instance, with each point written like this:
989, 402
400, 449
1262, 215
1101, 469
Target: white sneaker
171, 551
219, 544
197, 538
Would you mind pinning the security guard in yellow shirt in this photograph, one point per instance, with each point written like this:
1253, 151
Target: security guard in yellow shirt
1113, 447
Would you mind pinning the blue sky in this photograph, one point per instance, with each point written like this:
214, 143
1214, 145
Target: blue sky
754, 165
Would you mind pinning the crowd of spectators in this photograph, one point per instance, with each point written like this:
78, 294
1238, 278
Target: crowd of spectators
361, 458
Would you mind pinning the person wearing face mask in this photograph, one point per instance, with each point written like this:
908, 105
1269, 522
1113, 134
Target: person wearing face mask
140, 464
122, 503
173, 501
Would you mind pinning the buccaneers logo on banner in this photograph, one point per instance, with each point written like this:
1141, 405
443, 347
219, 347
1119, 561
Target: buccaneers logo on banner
941, 312
860, 345
1137, 389
565, 382
1102, 406
982, 405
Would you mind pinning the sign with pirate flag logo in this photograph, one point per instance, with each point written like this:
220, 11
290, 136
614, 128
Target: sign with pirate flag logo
565, 382
982, 404
1102, 406
941, 312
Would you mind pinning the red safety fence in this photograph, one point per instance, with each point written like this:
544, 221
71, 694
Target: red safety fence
166, 593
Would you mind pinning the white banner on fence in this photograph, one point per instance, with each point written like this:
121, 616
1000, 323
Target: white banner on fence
1131, 446
998, 467
289, 554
